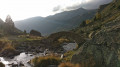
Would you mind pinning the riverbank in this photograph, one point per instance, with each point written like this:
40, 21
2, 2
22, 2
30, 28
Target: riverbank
19, 60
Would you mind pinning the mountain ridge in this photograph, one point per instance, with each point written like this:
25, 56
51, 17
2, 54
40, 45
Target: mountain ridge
54, 23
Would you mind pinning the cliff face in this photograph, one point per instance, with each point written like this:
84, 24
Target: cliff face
103, 49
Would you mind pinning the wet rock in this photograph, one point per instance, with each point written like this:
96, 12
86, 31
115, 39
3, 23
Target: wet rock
9, 53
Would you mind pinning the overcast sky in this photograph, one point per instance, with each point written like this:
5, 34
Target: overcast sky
22, 9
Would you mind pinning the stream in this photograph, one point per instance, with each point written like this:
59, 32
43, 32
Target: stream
23, 57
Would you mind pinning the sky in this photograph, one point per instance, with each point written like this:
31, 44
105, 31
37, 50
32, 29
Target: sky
22, 9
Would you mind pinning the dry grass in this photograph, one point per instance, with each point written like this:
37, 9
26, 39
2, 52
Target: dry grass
68, 64
8, 47
45, 61
61, 40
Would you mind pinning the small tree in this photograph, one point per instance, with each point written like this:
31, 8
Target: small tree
83, 24
25, 32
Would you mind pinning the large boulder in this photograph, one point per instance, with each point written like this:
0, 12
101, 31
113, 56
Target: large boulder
9, 51
35, 33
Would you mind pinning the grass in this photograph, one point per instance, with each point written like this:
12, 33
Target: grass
8, 47
46, 61
68, 64
8, 50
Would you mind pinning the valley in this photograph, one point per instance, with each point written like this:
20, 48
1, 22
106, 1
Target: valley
91, 40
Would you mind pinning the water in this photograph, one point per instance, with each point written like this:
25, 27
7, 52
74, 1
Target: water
23, 57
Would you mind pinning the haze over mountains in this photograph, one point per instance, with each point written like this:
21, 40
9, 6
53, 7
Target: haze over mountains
59, 22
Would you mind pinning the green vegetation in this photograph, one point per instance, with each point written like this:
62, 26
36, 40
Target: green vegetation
68, 55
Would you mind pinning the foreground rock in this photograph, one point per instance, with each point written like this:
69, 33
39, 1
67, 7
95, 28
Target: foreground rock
9, 52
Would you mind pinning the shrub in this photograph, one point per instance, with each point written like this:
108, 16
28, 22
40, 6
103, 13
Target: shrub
8, 51
25, 32
45, 61
119, 7
88, 21
68, 55
9, 47
83, 24
1, 64
68, 64
98, 16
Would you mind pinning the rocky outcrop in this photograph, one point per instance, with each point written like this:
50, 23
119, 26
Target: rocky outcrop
103, 49
9, 53
35, 33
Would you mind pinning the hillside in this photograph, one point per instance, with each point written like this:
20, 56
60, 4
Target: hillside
101, 48
98, 38
59, 22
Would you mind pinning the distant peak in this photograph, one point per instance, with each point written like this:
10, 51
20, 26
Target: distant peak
8, 19
81, 8
8, 16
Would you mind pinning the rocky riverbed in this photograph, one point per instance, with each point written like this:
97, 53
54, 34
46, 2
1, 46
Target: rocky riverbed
20, 60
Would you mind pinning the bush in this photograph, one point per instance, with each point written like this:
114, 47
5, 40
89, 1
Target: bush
119, 7
88, 21
45, 61
1, 64
8, 51
98, 16
68, 64
68, 56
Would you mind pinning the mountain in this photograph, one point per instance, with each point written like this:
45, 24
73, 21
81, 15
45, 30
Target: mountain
98, 38
8, 27
59, 22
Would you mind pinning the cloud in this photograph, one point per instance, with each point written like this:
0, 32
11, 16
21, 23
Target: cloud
57, 8
93, 4
87, 4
